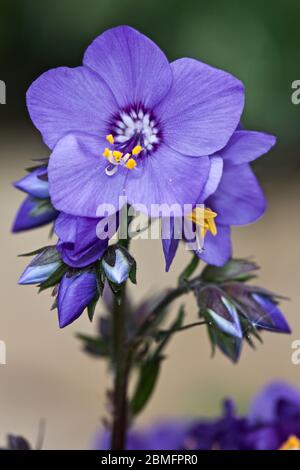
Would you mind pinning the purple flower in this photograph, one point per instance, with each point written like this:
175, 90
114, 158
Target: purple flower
274, 416
78, 242
232, 196
37, 209
165, 435
128, 123
16, 443
75, 293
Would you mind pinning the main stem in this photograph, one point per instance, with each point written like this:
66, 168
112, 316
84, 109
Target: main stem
121, 376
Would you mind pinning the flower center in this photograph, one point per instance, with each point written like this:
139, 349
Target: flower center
205, 219
134, 134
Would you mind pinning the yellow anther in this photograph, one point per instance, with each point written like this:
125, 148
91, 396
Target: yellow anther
118, 155
131, 164
293, 443
205, 219
110, 139
137, 150
106, 152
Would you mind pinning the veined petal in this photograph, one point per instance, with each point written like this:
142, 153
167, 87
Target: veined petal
217, 250
202, 109
135, 69
167, 178
239, 198
77, 180
214, 178
66, 100
246, 146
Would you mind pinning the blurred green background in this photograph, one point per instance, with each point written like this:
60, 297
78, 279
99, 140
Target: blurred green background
47, 375
257, 41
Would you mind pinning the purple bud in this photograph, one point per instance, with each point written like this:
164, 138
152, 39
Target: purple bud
258, 306
221, 310
75, 293
26, 219
272, 312
35, 183
37, 274
43, 265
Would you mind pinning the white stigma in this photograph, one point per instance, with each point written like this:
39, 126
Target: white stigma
137, 124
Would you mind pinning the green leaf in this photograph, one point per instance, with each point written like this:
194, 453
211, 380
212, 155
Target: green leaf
94, 346
228, 345
48, 256
149, 373
132, 273
92, 307
35, 252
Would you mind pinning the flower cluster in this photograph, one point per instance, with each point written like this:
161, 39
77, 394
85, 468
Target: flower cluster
128, 125
273, 422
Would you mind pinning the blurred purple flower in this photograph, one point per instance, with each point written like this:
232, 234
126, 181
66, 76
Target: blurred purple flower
274, 416
16, 443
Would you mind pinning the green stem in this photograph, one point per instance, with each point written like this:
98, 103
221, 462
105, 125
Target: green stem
189, 269
187, 327
121, 366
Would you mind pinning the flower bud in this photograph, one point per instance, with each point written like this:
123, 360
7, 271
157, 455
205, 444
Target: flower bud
75, 293
34, 213
259, 306
35, 183
216, 307
118, 264
43, 265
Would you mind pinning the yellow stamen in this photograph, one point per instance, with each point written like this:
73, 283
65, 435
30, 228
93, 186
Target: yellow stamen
110, 139
204, 218
131, 164
293, 443
118, 155
106, 152
137, 150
